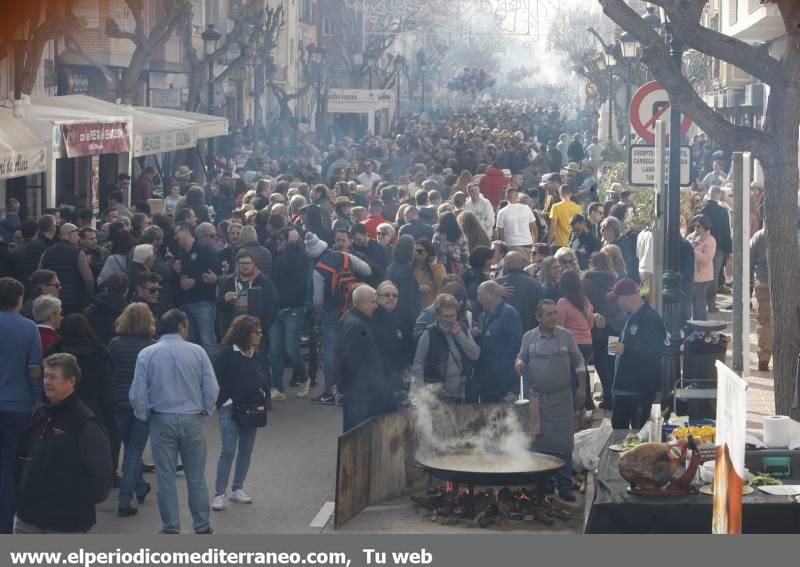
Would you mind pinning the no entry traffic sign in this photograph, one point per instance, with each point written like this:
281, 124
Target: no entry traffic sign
651, 103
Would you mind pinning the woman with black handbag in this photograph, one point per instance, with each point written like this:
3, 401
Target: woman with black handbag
242, 405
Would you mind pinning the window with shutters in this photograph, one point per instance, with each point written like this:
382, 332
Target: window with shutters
733, 12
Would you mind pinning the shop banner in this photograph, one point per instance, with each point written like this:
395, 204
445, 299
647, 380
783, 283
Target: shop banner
148, 144
25, 162
95, 138
730, 439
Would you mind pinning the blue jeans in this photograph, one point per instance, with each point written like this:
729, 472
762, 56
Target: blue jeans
330, 322
284, 340
202, 319
230, 433
171, 434
134, 433
12, 424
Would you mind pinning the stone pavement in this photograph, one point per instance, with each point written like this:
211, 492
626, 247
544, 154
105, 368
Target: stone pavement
761, 388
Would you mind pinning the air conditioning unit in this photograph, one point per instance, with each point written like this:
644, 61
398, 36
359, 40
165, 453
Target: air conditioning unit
754, 94
732, 77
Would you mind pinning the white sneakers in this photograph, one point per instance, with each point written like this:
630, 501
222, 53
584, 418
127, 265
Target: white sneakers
276, 395
218, 503
236, 496
241, 496
304, 388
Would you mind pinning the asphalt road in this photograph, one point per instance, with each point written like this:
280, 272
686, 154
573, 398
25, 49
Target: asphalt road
292, 475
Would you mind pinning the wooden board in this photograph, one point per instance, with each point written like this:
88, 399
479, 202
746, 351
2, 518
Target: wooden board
376, 463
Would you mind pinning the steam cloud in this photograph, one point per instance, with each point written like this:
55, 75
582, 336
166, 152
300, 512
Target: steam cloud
493, 432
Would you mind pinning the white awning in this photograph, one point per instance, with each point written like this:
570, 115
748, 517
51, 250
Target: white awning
22, 152
208, 126
154, 130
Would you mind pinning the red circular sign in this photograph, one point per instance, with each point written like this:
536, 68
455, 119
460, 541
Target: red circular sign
650, 103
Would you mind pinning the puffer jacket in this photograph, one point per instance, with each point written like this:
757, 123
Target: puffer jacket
102, 314
123, 351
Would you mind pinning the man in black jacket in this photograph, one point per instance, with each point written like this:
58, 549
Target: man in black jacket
720, 220
197, 268
357, 370
67, 260
638, 356
414, 226
290, 267
582, 241
526, 289
64, 460
370, 251
249, 292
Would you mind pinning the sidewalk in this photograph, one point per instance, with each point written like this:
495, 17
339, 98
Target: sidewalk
761, 389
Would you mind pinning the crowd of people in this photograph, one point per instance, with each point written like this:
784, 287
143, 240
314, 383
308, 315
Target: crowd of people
462, 252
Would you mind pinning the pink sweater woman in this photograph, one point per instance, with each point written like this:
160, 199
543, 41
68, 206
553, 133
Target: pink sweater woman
579, 321
704, 249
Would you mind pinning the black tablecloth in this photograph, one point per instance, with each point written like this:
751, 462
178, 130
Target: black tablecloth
615, 511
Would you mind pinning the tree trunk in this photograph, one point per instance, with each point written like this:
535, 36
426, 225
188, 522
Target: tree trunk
781, 180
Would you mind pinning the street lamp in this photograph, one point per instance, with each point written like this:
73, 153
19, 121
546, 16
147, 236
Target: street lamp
610, 61
369, 60
211, 38
671, 279
422, 61
629, 49
399, 64
316, 53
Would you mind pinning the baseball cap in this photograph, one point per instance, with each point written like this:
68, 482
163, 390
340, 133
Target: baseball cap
625, 286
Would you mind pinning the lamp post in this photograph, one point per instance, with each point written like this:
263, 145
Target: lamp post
610, 62
629, 48
317, 53
671, 279
369, 60
399, 64
210, 39
422, 61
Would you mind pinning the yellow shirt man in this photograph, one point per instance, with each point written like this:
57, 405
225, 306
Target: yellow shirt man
560, 215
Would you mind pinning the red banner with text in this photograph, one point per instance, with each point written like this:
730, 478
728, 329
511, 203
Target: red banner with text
95, 138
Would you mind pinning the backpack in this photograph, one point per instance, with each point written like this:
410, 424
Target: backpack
342, 283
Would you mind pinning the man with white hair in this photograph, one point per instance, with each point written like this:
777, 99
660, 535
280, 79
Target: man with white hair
499, 334
48, 315
358, 371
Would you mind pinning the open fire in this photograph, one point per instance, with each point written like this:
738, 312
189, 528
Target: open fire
448, 504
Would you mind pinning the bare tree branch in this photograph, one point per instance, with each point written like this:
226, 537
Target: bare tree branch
657, 58
685, 14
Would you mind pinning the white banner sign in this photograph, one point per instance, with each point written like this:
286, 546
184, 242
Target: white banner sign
358, 95
642, 165
730, 440
147, 144
26, 162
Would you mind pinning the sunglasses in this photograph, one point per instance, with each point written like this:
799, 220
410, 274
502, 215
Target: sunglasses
394, 295
57, 284
153, 289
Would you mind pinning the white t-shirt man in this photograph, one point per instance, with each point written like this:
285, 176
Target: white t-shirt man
368, 180
515, 220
